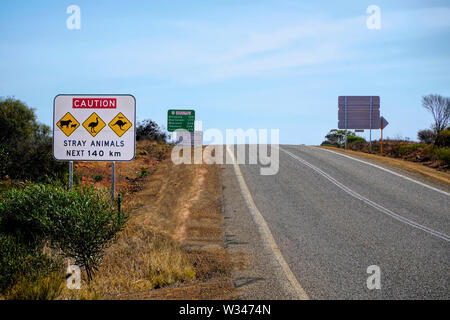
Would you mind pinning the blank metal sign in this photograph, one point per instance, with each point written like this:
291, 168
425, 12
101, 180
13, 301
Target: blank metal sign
94, 127
356, 111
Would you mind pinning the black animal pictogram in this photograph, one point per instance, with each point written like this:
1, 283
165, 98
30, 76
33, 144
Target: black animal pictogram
63, 123
73, 125
120, 123
92, 125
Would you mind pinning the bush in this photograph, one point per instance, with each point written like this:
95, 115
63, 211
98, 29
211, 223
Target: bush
426, 136
81, 222
337, 138
405, 149
443, 139
444, 155
351, 139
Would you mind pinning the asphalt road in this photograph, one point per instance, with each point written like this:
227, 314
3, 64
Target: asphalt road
331, 218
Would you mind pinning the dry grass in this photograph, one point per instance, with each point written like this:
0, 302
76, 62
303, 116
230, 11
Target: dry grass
46, 287
413, 167
173, 241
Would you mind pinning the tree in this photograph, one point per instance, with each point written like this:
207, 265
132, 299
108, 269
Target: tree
439, 107
25, 144
149, 130
337, 138
426, 136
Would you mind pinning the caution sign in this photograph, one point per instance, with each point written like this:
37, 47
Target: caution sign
120, 124
68, 124
94, 124
108, 130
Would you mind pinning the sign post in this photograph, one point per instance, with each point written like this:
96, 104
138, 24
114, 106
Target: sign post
113, 180
94, 128
70, 175
381, 146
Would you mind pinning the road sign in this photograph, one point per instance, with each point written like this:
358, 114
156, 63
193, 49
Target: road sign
95, 141
384, 123
68, 124
94, 124
180, 119
359, 112
120, 124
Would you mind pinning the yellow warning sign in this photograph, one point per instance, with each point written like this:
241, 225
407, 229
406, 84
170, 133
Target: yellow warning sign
94, 124
68, 124
120, 124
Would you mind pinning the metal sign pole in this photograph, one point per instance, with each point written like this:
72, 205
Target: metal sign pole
381, 126
70, 175
113, 180
370, 134
346, 122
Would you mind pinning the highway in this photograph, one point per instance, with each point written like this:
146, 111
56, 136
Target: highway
331, 217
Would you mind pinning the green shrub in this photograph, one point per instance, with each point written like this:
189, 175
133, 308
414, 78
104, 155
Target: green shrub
408, 148
444, 155
443, 139
142, 173
354, 139
80, 222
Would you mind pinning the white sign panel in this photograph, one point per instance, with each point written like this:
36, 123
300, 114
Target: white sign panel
94, 127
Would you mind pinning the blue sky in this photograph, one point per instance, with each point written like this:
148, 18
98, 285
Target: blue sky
239, 64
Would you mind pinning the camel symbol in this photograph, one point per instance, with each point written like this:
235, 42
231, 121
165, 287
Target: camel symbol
92, 125
120, 123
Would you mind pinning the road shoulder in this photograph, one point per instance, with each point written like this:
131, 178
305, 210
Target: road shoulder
257, 274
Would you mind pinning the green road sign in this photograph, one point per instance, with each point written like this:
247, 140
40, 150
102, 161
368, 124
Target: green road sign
180, 119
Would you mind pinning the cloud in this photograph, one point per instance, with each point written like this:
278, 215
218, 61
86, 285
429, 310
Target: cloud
210, 51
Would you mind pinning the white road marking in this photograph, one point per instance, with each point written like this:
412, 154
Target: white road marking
264, 228
370, 202
390, 171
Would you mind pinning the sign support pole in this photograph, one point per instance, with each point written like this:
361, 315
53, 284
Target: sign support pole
70, 175
381, 126
113, 180
370, 134
346, 123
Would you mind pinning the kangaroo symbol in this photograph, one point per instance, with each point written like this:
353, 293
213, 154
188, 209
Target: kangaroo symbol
66, 123
120, 123
92, 125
